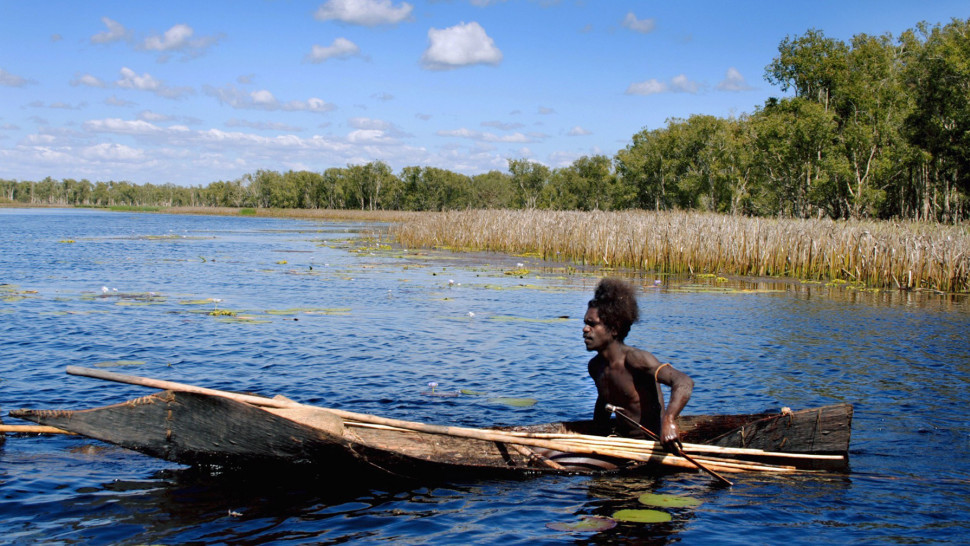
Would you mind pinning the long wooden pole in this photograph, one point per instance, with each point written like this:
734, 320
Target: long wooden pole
619, 411
31, 429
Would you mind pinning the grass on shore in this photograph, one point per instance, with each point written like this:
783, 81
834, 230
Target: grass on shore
903, 255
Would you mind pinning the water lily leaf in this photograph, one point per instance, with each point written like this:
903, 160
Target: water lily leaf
590, 524
196, 302
444, 394
471, 393
668, 501
642, 516
514, 402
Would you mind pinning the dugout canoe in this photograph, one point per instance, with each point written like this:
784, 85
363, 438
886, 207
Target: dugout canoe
238, 431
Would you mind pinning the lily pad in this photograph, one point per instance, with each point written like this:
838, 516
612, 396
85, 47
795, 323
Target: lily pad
668, 501
471, 392
642, 516
590, 524
514, 402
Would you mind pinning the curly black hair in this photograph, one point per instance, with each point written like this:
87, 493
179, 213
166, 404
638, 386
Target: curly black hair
616, 302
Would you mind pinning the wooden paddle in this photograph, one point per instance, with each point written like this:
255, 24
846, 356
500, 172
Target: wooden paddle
621, 413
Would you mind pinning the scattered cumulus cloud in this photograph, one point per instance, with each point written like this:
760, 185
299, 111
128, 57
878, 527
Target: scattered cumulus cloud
504, 126
263, 125
115, 101
364, 12
145, 82
264, 100
578, 131
12, 80
341, 48
179, 39
87, 80
643, 26
116, 32
733, 81
678, 84
461, 45
480, 136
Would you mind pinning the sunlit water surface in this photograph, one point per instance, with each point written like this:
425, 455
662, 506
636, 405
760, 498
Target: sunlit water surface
326, 317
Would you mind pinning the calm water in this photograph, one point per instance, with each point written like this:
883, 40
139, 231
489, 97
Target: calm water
366, 328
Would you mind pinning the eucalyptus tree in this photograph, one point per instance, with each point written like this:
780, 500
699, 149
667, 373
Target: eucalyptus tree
939, 77
491, 190
528, 179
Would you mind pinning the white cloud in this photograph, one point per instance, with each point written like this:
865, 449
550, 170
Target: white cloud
263, 125
174, 38
653, 86
578, 131
148, 115
180, 38
264, 100
12, 80
123, 127
88, 80
145, 82
116, 32
503, 125
649, 87
486, 137
643, 26
341, 48
680, 84
364, 12
460, 45
733, 81
107, 151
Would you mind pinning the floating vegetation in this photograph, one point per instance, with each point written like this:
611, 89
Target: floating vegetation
513, 402
517, 272
12, 293
588, 524
243, 319
119, 363
642, 516
68, 241
668, 501
221, 313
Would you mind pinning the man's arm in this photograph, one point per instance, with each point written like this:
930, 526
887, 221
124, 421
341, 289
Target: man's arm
601, 417
681, 387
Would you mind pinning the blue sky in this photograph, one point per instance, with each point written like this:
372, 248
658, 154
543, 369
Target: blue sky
194, 92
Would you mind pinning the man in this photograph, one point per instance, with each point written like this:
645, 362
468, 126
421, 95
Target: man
628, 377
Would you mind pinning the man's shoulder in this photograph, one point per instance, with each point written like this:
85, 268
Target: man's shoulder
640, 358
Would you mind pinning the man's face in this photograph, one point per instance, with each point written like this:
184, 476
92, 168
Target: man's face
595, 334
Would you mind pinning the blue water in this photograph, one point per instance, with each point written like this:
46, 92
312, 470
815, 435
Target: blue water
325, 314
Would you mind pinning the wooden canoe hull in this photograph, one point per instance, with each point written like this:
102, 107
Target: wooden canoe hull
204, 429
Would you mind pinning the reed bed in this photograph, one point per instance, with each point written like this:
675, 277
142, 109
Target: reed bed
903, 255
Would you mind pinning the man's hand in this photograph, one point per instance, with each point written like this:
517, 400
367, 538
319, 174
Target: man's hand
670, 435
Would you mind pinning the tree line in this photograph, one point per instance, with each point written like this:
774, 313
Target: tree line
878, 127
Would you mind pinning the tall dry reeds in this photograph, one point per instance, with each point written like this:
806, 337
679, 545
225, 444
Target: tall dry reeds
878, 254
